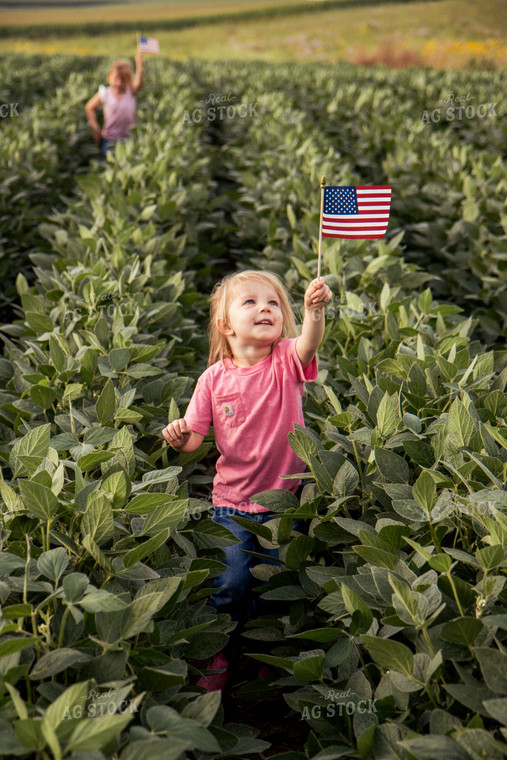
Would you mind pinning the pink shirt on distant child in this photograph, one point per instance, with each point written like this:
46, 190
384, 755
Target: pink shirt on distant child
252, 410
119, 113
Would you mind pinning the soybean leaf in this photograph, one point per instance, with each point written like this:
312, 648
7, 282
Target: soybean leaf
75, 586
54, 662
97, 521
106, 403
39, 499
386, 416
34, 444
493, 664
203, 709
146, 548
463, 630
277, 500
166, 516
298, 551
310, 667
424, 491
431, 747
303, 444
389, 653
94, 733
53, 563
392, 467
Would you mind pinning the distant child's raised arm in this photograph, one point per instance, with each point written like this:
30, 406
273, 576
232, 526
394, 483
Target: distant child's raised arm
181, 437
316, 297
138, 78
90, 109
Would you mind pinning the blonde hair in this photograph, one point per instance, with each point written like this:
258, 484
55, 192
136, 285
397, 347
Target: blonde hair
221, 298
124, 71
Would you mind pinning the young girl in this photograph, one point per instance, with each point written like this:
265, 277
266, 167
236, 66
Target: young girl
252, 395
118, 103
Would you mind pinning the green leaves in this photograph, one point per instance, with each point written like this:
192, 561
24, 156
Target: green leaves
189, 732
97, 521
29, 450
390, 654
147, 503
442, 563
12, 645
167, 516
298, 551
309, 668
53, 563
55, 662
361, 614
392, 467
75, 586
303, 444
462, 428
462, 630
91, 735
493, 664
346, 480
490, 557
277, 500
106, 403
39, 499
145, 549
386, 416
424, 492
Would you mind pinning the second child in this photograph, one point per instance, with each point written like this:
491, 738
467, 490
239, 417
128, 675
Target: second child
118, 103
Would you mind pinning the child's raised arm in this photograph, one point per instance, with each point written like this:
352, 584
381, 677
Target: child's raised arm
138, 78
316, 297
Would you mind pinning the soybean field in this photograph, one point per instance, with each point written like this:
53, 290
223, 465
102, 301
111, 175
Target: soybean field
390, 639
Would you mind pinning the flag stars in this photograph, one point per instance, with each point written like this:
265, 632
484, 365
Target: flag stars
340, 200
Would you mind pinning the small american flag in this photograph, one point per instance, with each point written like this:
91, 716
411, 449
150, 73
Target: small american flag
356, 212
148, 45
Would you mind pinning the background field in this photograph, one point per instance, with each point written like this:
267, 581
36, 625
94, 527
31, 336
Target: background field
442, 33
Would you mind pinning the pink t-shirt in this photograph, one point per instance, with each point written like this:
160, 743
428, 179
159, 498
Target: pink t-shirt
252, 410
119, 113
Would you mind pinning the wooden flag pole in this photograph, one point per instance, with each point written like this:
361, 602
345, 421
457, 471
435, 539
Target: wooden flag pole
322, 186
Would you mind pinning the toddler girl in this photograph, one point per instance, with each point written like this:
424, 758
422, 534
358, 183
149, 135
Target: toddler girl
118, 103
252, 395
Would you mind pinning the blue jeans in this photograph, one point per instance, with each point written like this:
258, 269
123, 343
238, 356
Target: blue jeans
236, 597
106, 145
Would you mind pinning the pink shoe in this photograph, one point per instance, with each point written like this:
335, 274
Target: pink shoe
216, 681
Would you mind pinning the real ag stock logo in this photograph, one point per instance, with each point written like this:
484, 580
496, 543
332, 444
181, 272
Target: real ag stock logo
219, 107
98, 704
458, 108
339, 703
